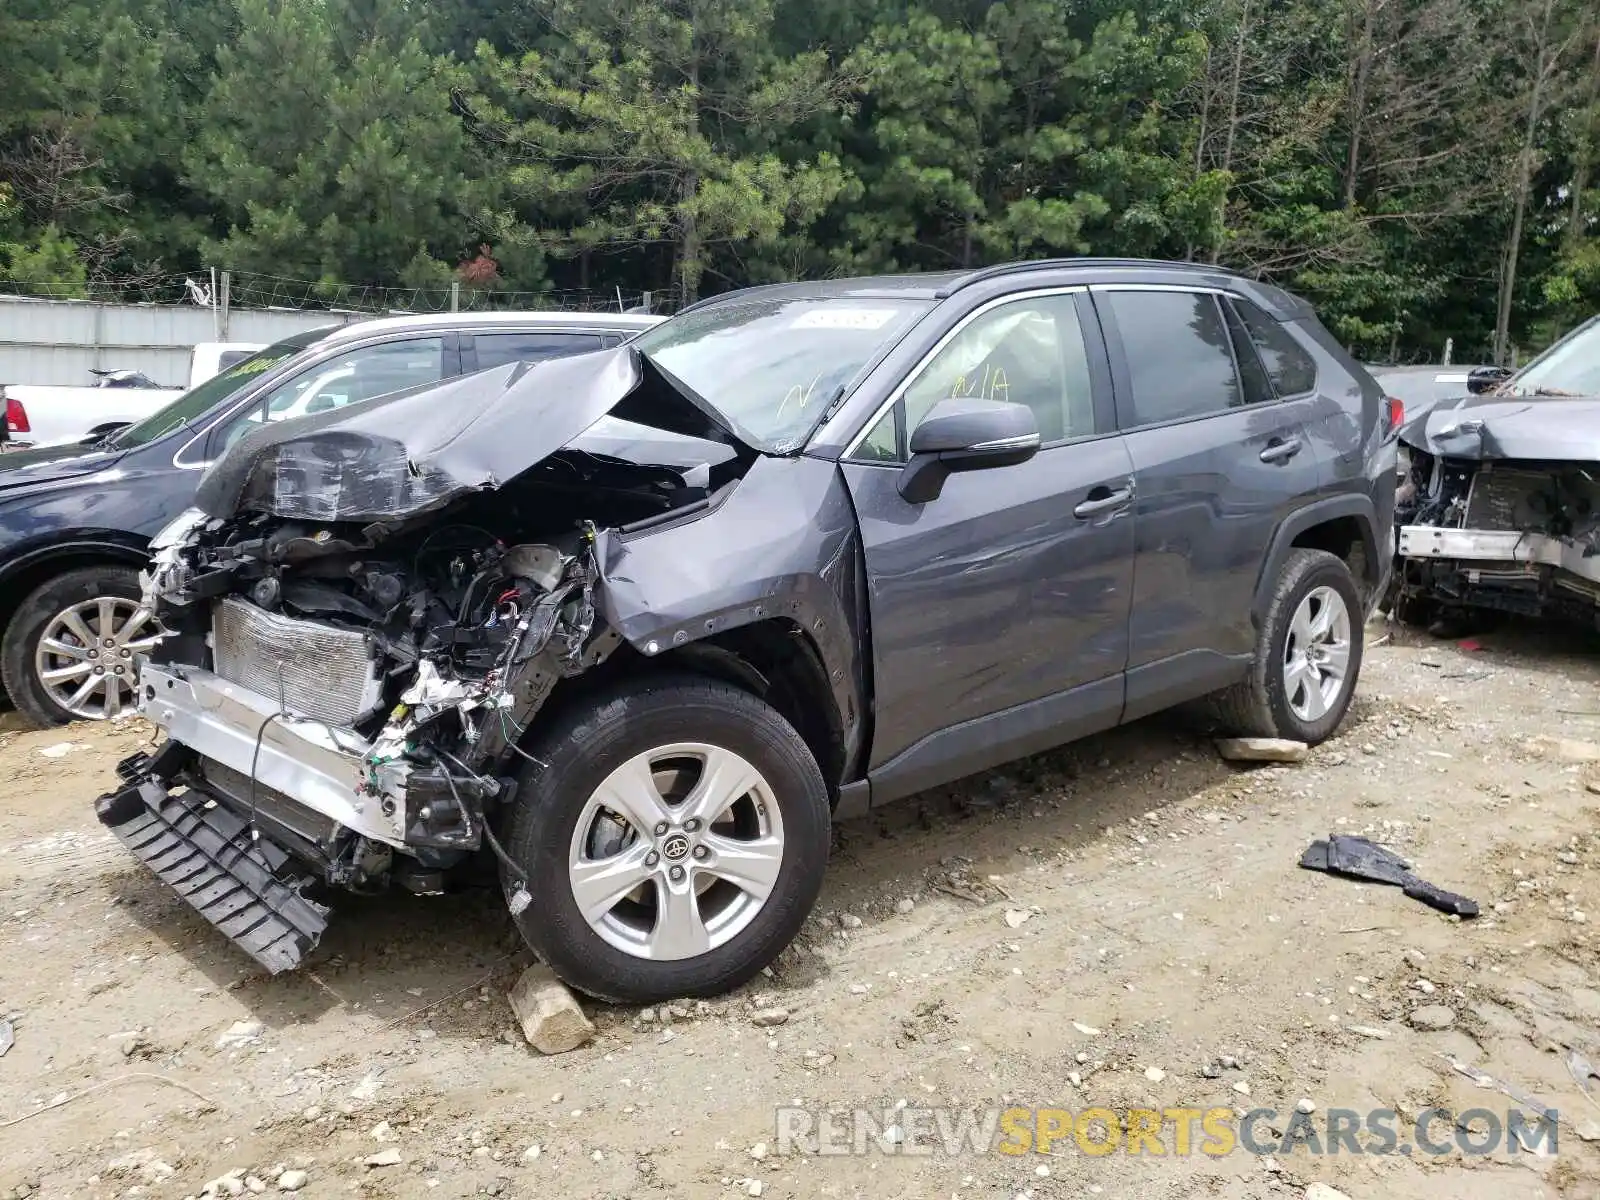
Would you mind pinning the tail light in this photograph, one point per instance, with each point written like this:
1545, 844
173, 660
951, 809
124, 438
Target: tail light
16, 416
1395, 414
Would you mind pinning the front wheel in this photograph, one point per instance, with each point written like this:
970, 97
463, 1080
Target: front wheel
1308, 654
673, 842
73, 648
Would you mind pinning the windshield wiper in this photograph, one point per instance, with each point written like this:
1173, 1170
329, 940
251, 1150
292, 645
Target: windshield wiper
1544, 391
833, 402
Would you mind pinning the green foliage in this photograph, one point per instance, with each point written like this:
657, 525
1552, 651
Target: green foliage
651, 124
356, 171
1380, 158
42, 262
1043, 132
46, 264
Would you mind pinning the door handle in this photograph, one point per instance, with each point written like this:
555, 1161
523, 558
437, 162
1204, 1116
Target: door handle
1280, 450
1103, 499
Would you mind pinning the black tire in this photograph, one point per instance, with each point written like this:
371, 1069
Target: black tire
1259, 707
22, 635
580, 748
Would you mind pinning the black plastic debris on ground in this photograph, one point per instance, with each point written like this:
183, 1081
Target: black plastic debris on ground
1360, 858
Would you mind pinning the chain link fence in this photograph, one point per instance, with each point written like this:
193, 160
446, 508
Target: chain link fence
249, 290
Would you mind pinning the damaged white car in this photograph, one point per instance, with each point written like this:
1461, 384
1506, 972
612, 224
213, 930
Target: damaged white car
1499, 502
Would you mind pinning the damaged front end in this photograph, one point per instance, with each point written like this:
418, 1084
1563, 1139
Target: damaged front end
1499, 508
365, 613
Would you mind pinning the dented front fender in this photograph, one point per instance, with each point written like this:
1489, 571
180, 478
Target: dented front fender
780, 545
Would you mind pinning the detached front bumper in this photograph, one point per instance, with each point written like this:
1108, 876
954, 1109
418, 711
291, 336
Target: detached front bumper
1506, 569
1505, 547
239, 809
248, 887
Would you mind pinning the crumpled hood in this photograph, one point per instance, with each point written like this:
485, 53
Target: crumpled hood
53, 464
1521, 427
393, 457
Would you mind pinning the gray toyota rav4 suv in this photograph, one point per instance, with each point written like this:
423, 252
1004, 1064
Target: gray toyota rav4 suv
635, 626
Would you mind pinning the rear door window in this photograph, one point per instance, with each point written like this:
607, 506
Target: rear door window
1178, 353
497, 349
1258, 389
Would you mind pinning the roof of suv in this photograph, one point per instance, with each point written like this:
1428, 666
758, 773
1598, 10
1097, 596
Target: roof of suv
618, 322
941, 285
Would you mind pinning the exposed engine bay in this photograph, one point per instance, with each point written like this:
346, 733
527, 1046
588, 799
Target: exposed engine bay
434, 645
361, 628
1513, 536
1496, 507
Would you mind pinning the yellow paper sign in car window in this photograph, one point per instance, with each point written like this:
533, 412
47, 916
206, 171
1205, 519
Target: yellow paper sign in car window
254, 366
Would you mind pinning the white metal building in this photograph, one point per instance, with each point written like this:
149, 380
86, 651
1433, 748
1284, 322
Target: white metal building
59, 341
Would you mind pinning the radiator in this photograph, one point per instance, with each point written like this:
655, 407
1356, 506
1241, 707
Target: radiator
1516, 498
320, 671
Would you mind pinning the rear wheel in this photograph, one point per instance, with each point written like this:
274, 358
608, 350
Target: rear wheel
73, 649
1308, 654
672, 845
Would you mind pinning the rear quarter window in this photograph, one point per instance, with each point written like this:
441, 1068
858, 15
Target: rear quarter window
1292, 369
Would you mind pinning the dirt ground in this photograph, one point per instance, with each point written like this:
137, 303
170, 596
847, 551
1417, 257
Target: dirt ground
1121, 924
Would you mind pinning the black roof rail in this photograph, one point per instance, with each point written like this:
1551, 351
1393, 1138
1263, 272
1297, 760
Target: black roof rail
1001, 270
1056, 264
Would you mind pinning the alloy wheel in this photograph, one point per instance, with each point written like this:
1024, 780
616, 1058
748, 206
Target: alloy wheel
1316, 654
676, 852
88, 655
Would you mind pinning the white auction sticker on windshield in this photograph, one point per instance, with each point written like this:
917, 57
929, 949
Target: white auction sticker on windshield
844, 318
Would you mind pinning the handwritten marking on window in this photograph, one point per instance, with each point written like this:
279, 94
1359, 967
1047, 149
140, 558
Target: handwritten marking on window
253, 366
991, 385
799, 396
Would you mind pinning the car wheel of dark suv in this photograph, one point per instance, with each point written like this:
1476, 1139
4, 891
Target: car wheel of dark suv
73, 648
672, 842
1308, 654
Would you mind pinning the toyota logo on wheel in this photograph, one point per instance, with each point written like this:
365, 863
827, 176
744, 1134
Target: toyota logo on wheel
675, 848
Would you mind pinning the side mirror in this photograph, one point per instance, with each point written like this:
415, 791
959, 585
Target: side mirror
966, 435
1482, 380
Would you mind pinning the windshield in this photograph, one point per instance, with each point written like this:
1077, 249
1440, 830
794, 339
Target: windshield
198, 401
772, 367
1569, 368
